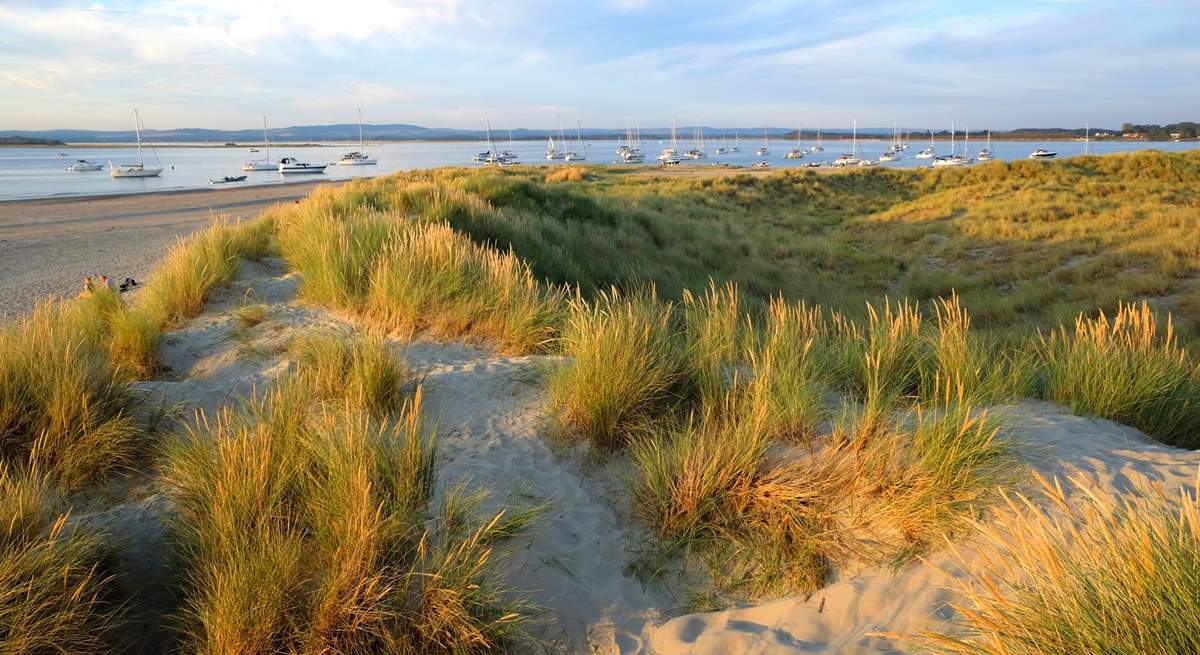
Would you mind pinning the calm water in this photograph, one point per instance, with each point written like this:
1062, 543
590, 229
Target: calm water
40, 172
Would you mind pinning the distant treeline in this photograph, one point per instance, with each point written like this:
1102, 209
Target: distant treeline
28, 141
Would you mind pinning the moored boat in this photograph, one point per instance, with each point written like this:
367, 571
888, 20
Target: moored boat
139, 169
290, 165
84, 165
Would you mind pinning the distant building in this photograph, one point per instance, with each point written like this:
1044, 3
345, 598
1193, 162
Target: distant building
1133, 135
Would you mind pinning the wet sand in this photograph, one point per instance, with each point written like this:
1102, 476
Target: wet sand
47, 246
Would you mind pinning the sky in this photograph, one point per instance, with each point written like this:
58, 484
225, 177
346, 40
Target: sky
984, 64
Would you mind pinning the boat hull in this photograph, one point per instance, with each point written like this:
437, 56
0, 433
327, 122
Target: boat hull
255, 167
300, 170
136, 172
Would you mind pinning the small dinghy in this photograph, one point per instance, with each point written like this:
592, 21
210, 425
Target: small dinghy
229, 178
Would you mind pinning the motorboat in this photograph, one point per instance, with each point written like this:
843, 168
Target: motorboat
139, 169
228, 178
358, 157
290, 165
950, 160
846, 160
1042, 153
633, 156
481, 157
84, 165
794, 153
890, 155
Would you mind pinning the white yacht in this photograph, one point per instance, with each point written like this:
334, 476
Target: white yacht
928, 152
358, 157
631, 151
798, 151
83, 165
697, 151
580, 153
552, 152
765, 149
953, 159
894, 150
986, 153
139, 169
290, 165
852, 158
262, 164
737, 143
670, 156
1042, 153
818, 147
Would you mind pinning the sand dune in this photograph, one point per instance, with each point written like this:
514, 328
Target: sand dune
490, 412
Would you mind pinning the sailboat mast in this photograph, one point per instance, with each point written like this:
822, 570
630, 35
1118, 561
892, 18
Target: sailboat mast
137, 133
266, 141
674, 140
854, 139
951, 138
361, 146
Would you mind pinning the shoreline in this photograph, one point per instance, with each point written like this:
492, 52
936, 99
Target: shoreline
47, 245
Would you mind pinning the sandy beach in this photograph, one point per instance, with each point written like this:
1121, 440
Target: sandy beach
47, 246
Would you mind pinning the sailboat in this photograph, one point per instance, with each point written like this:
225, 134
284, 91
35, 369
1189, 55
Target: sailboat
852, 158
358, 157
578, 155
264, 164
927, 153
139, 169
670, 156
986, 153
633, 152
952, 159
737, 142
894, 150
818, 147
723, 149
765, 149
697, 151
798, 151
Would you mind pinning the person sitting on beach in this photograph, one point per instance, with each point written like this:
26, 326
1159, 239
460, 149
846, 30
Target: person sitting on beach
128, 284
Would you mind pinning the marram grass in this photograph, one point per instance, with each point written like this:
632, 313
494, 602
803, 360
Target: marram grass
1082, 573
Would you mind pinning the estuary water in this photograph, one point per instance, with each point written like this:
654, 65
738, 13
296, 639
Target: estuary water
40, 172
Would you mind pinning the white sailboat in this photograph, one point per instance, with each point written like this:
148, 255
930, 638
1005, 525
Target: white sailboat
139, 169
358, 157
798, 151
953, 159
818, 147
894, 150
633, 153
578, 155
262, 164
852, 158
766, 146
986, 153
929, 152
737, 142
697, 151
670, 156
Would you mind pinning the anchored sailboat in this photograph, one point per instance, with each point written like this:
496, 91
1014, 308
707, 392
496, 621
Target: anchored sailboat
798, 151
358, 157
264, 164
139, 169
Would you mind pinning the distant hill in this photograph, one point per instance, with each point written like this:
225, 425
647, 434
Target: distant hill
409, 132
28, 141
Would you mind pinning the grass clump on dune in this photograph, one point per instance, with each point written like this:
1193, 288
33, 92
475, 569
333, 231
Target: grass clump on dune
415, 276
180, 285
1089, 574
432, 279
1127, 369
64, 410
306, 529
626, 365
54, 596
359, 370
709, 486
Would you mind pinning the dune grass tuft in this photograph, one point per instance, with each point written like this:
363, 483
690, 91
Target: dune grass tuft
1127, 369
626, 363
359, 370
64, 410
195, 265
54, 596
1088, 574
305, 529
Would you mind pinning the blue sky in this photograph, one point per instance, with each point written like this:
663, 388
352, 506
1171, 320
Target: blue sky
450, 63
